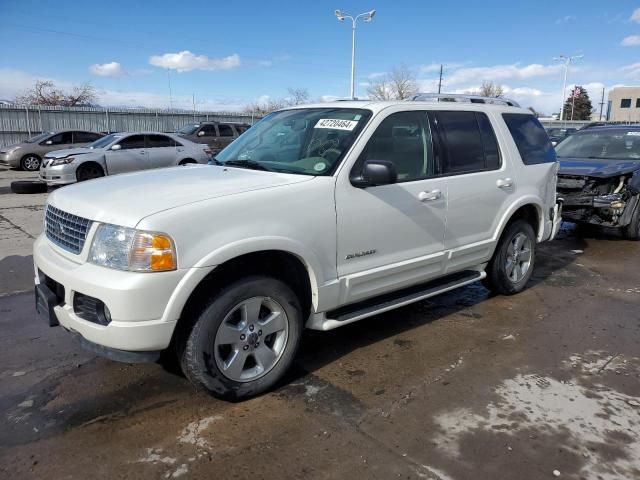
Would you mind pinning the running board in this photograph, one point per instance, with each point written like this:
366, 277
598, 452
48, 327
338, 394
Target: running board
373, 306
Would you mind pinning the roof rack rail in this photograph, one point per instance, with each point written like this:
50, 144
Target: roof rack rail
456, 97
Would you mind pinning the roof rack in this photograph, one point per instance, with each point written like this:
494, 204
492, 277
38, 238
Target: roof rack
456, 97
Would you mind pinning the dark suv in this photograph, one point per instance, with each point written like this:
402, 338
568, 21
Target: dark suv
215, 134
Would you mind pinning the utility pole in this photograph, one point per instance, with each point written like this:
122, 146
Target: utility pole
566, 61
602, 104
170, 97
440, 82
193, 99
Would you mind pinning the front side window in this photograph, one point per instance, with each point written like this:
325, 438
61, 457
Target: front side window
63, 138
530, 137
208, 130
469, 142
38, 138
308, 141
404, 139
225, 130
625, 103
134, 141
614, 144
159, 141
104, 141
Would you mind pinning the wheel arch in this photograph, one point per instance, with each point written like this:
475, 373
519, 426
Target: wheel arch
529, 209
90, 162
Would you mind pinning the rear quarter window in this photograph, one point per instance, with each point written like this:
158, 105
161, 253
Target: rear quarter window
530, 137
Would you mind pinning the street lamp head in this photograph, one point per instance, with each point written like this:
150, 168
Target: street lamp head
339, 15
369, 16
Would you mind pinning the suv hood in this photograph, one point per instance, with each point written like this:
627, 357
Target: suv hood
126, 199
69, 151
597, 168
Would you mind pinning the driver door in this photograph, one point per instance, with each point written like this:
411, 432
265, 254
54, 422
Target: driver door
131, 156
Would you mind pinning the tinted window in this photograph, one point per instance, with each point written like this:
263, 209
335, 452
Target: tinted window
85, 137
462, 141
134, 141
532, 141
489, 142
403, 138
625, 103
225, 130
241, 129
159, 141
637, 102
62, 138
209, 130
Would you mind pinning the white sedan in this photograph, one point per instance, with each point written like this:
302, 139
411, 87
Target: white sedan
120, 153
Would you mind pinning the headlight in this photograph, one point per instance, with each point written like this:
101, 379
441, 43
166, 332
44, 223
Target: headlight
62, 161
134, 250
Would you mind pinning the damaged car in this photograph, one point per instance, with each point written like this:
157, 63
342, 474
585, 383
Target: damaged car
599, 178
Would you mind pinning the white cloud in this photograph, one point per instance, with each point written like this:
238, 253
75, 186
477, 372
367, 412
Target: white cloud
632, 71
631, 41
565, 19
498, 73
111, 69
186, 61
635, 16
376, 75
329, 98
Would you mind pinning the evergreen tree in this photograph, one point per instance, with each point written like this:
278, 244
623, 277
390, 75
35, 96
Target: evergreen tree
580, 103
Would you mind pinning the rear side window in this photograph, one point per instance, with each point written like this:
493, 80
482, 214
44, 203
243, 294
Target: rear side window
225, 130
132, 142
469, 142
85, 137
531, 139
160, 141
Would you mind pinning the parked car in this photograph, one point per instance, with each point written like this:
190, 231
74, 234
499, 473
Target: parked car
120, 153
27, 155
556, 135
385, 203
215, 134
599, 178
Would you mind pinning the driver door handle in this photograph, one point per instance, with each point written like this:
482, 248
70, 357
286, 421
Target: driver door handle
504, 183
430, 196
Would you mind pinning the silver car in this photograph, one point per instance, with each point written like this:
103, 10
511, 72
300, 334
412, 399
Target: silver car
120, 153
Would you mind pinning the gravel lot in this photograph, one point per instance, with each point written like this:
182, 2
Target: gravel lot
463, 386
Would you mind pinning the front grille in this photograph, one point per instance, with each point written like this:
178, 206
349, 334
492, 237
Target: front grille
66, 230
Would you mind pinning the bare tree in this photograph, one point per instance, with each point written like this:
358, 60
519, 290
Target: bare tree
398, 85
45, 92
490, 89
298, 96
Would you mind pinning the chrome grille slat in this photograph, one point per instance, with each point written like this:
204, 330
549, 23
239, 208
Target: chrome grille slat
66, 230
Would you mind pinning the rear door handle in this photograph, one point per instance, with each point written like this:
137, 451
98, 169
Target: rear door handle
430, 196
504, 183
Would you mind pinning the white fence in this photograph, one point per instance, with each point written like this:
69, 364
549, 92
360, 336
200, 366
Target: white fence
18, 122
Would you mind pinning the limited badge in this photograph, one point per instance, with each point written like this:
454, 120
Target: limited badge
318, 167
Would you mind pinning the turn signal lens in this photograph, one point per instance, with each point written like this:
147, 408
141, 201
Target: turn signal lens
152, 252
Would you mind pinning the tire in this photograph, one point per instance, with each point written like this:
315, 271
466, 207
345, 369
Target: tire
632, 231
500, 278
186, 161
89, 171
30, 162
27, 186
226, 351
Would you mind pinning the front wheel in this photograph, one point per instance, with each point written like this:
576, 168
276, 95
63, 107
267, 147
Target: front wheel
512, 264
30, 163
89, 171
632, 231
244, 339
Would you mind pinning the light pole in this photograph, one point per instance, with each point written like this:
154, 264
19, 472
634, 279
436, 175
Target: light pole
567, 61
366, 17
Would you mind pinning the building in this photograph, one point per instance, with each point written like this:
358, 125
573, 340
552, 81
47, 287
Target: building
624, 105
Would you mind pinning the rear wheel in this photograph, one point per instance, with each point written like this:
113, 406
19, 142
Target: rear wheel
244, 340
30, 163
89, 171
512, 264
632, 231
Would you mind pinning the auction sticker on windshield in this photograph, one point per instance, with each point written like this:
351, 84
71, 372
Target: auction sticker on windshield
336, 124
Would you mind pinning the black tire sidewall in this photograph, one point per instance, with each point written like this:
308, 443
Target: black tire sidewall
499, 278
28, 187
197, 357
632, 231
83, 168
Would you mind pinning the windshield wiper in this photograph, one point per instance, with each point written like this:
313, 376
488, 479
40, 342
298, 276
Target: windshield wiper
251, 164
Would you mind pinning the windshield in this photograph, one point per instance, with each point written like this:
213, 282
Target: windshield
309, 141
618, 144
38, 138
188, 129
104, 141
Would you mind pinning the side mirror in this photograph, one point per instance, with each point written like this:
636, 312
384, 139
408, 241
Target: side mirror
375, 172
201, 133
117, 146
48, 142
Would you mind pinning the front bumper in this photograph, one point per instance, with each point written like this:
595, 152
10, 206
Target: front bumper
10, 159
58, 175
137, 301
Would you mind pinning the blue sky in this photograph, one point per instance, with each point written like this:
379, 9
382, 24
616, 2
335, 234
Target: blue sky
230, 53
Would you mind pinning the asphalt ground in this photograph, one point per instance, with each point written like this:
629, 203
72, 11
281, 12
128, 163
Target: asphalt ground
462, 386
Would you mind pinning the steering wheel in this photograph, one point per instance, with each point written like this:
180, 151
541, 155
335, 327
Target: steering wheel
331, 155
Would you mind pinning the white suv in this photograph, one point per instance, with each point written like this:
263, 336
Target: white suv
316, 217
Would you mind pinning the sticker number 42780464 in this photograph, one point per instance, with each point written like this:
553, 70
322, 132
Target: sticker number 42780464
336, 124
